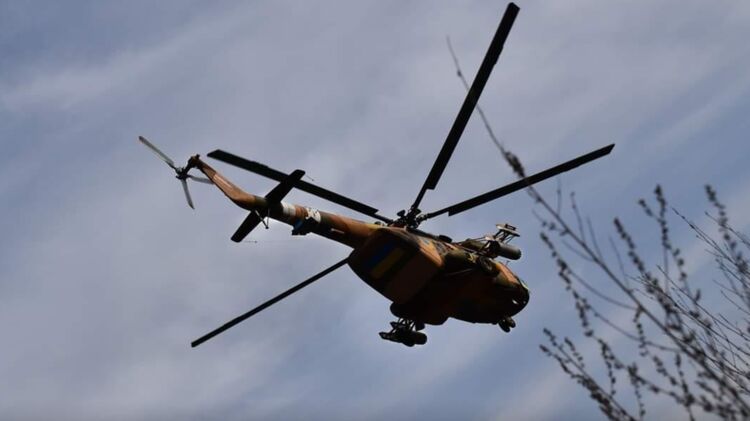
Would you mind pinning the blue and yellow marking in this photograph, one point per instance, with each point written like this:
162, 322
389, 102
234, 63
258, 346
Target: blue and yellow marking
384, 260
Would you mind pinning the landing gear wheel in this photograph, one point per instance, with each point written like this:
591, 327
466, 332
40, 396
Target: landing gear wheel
419, 338
507, 324
405, 332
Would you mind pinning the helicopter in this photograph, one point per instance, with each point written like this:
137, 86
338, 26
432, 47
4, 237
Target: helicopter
427, 278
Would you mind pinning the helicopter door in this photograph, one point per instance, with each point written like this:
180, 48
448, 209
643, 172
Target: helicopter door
394, 264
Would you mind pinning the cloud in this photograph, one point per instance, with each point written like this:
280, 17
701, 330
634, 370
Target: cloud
117, 72
107, 276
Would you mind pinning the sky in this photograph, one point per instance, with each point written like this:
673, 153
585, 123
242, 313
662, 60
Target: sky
106, 275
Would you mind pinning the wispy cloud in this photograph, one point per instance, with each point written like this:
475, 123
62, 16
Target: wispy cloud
106, 276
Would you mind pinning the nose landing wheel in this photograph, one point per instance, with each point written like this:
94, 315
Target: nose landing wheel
405, 332
507, 324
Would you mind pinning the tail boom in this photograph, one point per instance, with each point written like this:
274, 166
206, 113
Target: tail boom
303, 220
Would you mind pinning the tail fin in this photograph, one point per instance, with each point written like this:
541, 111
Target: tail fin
273, 197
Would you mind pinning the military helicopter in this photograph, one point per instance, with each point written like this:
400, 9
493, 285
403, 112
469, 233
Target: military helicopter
428, 278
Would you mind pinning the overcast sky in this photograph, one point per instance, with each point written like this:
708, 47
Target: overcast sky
106, 275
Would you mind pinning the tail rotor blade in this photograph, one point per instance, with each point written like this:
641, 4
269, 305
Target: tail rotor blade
272, 301
158, 153
187, 193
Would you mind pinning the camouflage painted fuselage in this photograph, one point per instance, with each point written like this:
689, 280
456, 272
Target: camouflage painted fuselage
430, 280
427, 279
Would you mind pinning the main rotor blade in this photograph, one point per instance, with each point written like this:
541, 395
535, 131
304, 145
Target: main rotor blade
265, 305
522, 183
472, 97
277, 175
187, 192
158, 153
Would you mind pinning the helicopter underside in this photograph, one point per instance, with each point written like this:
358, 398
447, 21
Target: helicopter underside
429, 281
470, 296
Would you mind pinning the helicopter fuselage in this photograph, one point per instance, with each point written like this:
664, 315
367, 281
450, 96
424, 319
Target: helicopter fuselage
428, 279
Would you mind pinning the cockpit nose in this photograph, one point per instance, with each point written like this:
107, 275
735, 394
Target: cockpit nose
522, 295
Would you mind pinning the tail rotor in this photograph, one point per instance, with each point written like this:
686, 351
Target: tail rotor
181, 173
